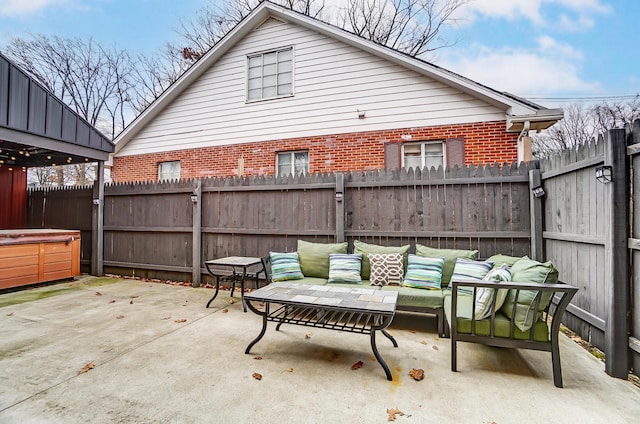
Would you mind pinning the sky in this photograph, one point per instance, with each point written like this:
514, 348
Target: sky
550, 51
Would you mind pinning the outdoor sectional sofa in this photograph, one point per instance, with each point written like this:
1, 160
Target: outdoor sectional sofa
499, 311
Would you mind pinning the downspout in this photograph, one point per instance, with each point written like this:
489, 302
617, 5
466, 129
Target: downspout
524, 144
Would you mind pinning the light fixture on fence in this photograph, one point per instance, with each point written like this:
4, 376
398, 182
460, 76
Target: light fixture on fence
538, 191
604, 174
339, 197
194, 198
96, 202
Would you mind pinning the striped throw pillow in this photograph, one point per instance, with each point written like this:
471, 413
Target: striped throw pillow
467, 269
423, 273
386, 269
285, 266
484, 295
345, 268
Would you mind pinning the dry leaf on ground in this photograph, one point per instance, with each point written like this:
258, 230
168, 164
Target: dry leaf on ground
434, 347
357, 365
10, 314
98, 293
417, 374
231, 301
256, 376
225, 310
308, 336
181, 320
392, 414
289, 370
120, 317
412, 331
133, 297
166, 318
113, 301
424, 342
86, 368
131, 302
257, 358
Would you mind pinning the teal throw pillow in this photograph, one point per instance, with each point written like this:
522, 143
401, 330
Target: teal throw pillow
449, 255
345, 268
424, 273
484, 295
285, 266
466, 269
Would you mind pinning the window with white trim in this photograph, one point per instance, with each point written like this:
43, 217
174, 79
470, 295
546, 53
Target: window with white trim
169, 170
270, 74
292, 163
423, 154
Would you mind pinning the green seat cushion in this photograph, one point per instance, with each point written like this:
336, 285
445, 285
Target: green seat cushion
529, 271
483, 327
410, 297
366, 248
449, 255
314, 257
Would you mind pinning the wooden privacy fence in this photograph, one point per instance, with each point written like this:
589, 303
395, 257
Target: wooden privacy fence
150, 229
586, 234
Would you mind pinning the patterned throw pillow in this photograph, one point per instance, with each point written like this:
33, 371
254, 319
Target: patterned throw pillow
423, 273
466, 269
285, 266
345, 268
484, 295
386, 269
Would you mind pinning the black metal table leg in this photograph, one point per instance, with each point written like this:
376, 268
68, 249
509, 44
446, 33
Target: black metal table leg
377, 354
390, 337
244, 274
216, 293
264, 326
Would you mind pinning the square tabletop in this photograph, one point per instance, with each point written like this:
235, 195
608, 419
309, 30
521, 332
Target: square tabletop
360, 299
235, 261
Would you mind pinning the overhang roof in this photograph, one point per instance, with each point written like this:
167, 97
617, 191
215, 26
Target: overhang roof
38, 129
513, 105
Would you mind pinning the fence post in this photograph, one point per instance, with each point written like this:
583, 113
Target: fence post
97, 223
537, 215
617, 198
197, 233
339, 207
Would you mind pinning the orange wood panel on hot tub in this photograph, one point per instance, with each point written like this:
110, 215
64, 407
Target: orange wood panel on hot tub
35, 256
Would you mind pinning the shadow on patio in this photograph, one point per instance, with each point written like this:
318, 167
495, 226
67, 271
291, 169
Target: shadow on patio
159, 356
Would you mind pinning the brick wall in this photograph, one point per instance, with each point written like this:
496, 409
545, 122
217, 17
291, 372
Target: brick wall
484, 142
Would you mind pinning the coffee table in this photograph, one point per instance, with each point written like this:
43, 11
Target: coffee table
354, 310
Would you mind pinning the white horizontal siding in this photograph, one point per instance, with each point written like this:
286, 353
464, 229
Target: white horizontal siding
332, 81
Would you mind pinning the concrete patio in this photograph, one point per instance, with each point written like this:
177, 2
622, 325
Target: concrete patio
160, 357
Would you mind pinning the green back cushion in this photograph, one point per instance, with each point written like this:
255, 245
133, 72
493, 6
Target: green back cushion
366, 248
528, 271
500, 259
449, 255
314, 257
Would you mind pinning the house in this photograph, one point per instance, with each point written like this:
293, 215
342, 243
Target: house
283, 93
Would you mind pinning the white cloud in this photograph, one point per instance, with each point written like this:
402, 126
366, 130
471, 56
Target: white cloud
15, 8
571, 15
551, 67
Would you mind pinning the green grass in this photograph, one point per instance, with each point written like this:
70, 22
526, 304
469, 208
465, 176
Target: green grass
43, 292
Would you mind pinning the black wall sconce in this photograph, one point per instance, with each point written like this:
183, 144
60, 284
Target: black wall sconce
538, 191
604, 174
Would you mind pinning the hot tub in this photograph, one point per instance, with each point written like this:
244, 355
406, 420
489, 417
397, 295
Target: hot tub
38, 255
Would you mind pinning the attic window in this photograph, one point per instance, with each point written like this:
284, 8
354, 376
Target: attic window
270, 74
